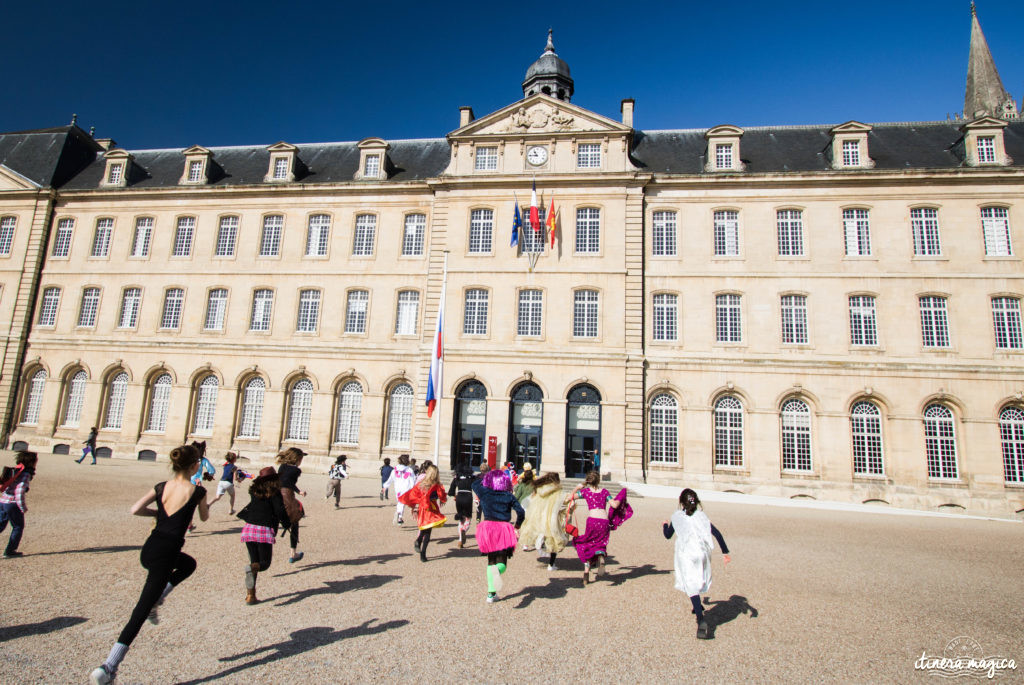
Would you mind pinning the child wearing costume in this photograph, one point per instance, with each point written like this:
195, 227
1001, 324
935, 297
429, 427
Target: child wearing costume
12, 500
545, 518
404, 478
694, 533
592, 546
462, 490
161, 555
288, 472
495, 535
226, 484
262, 516
427, 496
337, 472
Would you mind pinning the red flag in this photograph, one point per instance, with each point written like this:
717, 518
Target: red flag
551, 222
534, 213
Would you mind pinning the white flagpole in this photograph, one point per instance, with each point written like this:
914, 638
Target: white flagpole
440, 365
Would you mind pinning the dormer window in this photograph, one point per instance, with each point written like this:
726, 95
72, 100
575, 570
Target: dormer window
986, 149
372, 168
280, 169
849, 148
983, 143
851, 153
373, 160
197, 160
486, 159
195, 171
282, 163
115, 175
723, 151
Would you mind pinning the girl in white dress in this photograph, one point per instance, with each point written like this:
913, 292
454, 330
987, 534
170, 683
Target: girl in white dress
694, 533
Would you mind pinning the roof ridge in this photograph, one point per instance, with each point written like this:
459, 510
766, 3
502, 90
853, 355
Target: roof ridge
802, 127
335, 143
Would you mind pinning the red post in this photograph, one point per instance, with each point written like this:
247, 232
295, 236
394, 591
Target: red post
492, 451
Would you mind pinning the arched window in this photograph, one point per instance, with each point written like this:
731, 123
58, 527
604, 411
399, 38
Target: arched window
115, 401
34, 397
399, 416
1011, 434
206, 405
728, 432
75, 400
252, 408
299, 410
159, 403
350, 407
866, 428
664, 430
796, 436
940, 442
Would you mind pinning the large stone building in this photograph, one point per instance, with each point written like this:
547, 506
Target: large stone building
806, 311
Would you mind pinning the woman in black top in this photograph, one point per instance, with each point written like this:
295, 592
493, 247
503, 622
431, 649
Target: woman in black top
462, 490
262, 516
176, 502
288, 471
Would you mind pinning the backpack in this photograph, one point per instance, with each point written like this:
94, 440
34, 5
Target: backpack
9, 475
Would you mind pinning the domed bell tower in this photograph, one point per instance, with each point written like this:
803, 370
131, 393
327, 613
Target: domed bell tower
548, 75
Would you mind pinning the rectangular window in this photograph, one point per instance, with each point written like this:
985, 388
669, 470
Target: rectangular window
216, 308
372, 169
116, 174
130, 301
62, 238
280, 168
90, 305
728, 326
474, 319
995, 224
262, 304
183, 237
101, 238
318, 235
195, 171
727, 233
934, 323
863, 330
584, 314
794, 319
1006, 317
486, 159
665, 317
588, 156
309, 311
531, 241
408, 312
227, 236
270, 240
366, 229
143, 233
857, 232
48, 308
851, 153
355, 311
924, 223
413, 235
481, 231
723, 156
664, 234
588, 230
986, 149
791, 232
531, 312
7, 225
174, 298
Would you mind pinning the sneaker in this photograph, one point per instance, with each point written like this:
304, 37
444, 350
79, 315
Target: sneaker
381, 495
417, 544
490, 600
14, 554
401, 521
586, 574
702, 631
297, 557
100, 676
154, 617
551, 567
250, 577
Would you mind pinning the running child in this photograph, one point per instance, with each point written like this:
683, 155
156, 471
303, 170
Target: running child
263, 515
288, 472
12, 500
385, 474
226, 484
427, 496
495, 535
404, 478
462, 490
337, 472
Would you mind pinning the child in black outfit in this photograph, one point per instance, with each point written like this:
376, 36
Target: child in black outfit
462, 490
385, 475
263, 515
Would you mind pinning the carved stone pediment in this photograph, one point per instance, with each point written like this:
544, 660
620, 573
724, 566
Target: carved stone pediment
540, 114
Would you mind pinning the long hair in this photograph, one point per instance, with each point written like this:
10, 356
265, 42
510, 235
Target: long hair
496, 479
593, 479
292, 455
265, 487
547, 479
430, 479
689, 501
403, 459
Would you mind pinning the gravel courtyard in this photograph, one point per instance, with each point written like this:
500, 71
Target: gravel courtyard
810, 595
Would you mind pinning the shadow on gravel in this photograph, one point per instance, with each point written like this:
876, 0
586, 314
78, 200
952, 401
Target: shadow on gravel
555, 589
358, 561
206, 533
94, 550
47, 626
631, 572
725, 610
335, 587
301, 641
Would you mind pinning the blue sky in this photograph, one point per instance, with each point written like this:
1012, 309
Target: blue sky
161, 74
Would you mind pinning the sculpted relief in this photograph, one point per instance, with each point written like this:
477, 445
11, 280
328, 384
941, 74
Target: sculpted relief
539, 119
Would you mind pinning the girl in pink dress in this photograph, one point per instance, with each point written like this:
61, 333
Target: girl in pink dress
592, 545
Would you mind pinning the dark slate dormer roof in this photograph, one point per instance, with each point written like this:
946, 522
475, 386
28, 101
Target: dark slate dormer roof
411, 160
924, 145
48, 156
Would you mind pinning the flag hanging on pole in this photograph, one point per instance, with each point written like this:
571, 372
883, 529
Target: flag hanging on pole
436, 361
534, 210
517, 224
551, 222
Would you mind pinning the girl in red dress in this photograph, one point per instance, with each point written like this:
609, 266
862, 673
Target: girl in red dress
427, 496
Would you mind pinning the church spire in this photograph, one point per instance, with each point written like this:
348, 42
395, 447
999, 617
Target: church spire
985, 93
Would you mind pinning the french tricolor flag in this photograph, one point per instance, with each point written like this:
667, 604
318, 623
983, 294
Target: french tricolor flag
436, 360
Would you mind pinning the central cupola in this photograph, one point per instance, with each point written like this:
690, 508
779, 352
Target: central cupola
549, 75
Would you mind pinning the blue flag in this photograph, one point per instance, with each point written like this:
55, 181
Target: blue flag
517, 223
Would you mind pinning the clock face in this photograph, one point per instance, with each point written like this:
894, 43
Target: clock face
537, 155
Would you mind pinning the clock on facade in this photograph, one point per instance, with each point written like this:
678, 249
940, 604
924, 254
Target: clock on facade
537, 155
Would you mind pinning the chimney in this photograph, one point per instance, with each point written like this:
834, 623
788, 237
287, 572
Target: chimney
627, 111
106, 143
465, 116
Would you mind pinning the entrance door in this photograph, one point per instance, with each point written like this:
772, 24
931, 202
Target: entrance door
582, 431
526, 416
469, 427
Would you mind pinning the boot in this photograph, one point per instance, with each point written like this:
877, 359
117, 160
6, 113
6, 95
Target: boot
600, 566
702, 631
462, 538
250, 597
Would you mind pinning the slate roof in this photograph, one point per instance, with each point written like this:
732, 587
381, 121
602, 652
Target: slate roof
49, 156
